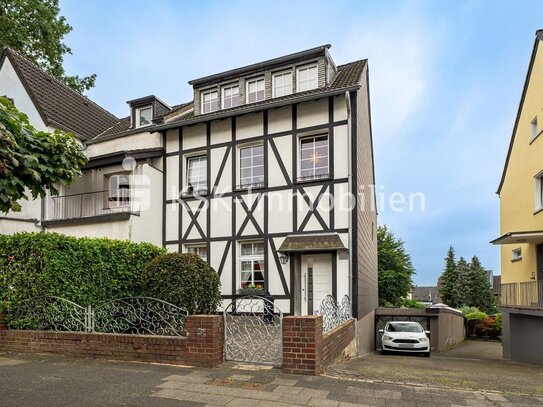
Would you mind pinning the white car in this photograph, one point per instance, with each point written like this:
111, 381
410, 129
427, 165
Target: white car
403, 336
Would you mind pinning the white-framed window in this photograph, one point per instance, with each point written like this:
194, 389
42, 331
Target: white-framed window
197, 174
251, 261
307, 78
118, 190
255, 90
230, 96
144, 116
251, 166
533, 128
198, 249
282, 84
314, 157
210, 101
516, 254
538, 181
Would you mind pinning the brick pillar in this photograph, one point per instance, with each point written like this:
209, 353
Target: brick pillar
205, 340
302, 337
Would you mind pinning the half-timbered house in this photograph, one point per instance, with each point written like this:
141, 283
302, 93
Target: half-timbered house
267, 174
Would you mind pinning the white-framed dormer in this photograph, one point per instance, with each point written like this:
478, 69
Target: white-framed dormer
255, 90
209, 101
307, 77
281, 84
144, 116
230, 96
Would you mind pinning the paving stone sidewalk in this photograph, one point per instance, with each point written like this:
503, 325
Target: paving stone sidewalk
44, 380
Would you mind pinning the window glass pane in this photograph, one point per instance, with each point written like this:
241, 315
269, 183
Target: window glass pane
258, 248
145, 116
246, 249
314, 156
197, 173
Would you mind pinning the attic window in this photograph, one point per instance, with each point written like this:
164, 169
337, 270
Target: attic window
144, 116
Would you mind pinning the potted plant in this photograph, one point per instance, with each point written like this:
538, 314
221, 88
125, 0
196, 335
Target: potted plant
251, 289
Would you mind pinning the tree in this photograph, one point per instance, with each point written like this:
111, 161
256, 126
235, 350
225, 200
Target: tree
36, 30
462, 271
479, 293
394, 268
33, 161
449, 280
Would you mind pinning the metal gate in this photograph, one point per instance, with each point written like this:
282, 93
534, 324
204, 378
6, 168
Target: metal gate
253, 331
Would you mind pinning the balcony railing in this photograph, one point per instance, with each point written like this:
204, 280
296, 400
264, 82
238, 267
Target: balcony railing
527, 294
88, 204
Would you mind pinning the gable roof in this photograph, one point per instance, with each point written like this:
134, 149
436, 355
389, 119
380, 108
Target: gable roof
538, 38
58, 105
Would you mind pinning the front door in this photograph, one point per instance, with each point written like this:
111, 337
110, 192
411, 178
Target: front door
316, 281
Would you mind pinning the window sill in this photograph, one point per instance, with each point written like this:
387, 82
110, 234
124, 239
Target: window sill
538, 210
250, 187
516, 259
303, 180
202, 192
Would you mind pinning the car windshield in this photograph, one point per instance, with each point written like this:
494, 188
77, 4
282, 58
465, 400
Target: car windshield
403, 327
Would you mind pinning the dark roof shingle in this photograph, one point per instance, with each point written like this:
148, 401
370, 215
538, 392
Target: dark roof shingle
58, 105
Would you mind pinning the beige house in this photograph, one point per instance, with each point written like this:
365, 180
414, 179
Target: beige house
265, 175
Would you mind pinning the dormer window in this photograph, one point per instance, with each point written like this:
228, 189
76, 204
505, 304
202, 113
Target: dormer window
255, 90
144, 116
282, 84
307, 78
230, 96
210, 101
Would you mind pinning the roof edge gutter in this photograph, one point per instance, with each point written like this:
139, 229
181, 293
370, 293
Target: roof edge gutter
253, 109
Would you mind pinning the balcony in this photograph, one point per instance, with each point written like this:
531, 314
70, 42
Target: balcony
96, 205
522, 295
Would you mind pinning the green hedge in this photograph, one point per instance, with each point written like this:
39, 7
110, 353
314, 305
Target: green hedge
184, 280
83, 270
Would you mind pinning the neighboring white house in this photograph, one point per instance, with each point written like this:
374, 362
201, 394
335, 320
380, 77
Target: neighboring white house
267, 174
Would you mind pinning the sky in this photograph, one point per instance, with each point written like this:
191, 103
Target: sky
445, 83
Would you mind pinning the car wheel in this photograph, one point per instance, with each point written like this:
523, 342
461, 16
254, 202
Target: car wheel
426, 355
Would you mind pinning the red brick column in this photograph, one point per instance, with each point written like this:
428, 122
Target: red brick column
205, 340
302, 338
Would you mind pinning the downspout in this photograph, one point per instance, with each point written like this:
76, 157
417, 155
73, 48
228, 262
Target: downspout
350, 189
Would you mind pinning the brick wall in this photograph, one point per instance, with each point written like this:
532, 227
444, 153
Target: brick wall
306, 350
203, 345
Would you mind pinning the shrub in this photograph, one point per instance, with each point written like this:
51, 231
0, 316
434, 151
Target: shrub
407, 303
184, 280
476, 315
468, 310
83, 270
499, 322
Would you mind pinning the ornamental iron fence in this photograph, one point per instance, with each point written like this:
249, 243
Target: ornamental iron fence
253, 331
334, 313
131, 315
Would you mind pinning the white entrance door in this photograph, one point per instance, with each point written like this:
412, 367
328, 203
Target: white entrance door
316, 281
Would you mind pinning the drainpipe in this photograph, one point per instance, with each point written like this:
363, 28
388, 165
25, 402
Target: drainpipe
350, 189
